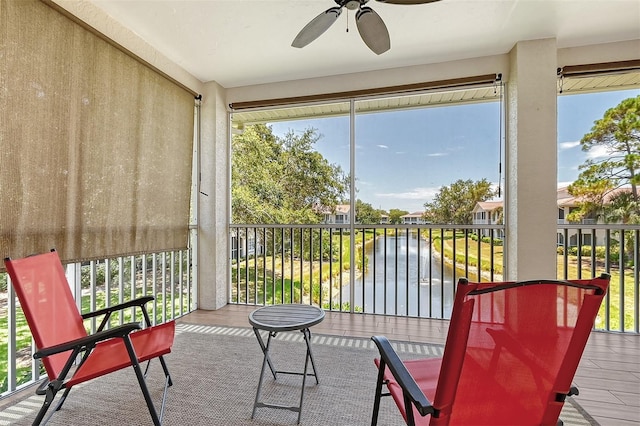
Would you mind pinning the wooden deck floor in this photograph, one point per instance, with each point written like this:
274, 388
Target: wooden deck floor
608, 377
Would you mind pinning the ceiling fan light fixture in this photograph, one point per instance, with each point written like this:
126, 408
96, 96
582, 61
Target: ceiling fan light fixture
353, 4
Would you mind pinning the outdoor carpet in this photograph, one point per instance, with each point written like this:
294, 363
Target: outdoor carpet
215, 373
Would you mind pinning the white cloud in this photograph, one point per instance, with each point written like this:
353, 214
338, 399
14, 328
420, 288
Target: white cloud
412, 194
598, 152
438, 154
568, 145
383, 146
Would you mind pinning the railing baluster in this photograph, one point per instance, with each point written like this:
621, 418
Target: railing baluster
291, 240
92, 289
154, 283
442, 295
621, 268
172, 283
132, 284
264, 266
164, 286
364, 266
492, 257
340, 268
255, 265
430, 272
120, 286
385, 271
12, 346
320, 282
395, 269
580, 243
636, 275
373, 266
301, 260
407, 274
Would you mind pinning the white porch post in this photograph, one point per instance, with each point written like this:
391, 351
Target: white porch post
531, 161
213, 209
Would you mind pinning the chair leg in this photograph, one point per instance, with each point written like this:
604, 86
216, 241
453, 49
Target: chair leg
166, 370
50, 395
167, 383
376, 402
408, 408
63, 398
141, 381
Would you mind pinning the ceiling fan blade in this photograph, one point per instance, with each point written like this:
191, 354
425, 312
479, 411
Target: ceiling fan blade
407, 1
316, 27
373, 30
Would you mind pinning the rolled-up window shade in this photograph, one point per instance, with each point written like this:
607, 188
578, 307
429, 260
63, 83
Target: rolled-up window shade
95, 147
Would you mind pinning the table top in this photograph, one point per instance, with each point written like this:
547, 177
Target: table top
287, 317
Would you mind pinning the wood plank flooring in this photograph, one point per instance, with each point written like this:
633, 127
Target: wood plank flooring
608, 376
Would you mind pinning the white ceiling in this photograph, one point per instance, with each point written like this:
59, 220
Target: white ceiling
245, 42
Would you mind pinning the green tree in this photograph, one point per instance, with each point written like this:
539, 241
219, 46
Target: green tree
395, 216
281, 180
618, 134
366, 214
454, 203
623, 208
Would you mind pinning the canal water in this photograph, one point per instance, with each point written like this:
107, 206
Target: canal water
403, 277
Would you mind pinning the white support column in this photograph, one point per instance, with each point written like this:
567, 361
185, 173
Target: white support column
213, 205
531, 159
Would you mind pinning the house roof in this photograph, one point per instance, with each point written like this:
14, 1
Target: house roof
338, 209
488, 206
414, 214
567, 200
564, 199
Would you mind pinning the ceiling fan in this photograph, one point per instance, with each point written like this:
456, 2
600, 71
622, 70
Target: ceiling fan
370, 26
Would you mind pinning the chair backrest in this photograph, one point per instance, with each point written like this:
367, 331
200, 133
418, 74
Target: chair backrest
48, 304
512, 350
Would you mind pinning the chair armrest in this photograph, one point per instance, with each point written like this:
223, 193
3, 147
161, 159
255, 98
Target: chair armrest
88, 341
403, 377
141, 301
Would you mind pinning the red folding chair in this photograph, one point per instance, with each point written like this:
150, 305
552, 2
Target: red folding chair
69, 354
511, 353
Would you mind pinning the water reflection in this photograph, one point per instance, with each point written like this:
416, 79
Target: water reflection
403, 277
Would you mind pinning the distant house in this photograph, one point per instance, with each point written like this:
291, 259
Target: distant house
338, 215
384, 219
567, 203
245, 246
416, 218
487, 213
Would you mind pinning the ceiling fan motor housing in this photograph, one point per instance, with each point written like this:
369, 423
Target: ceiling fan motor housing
351, 4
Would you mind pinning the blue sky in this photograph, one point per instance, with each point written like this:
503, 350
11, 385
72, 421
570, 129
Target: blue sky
403, 157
